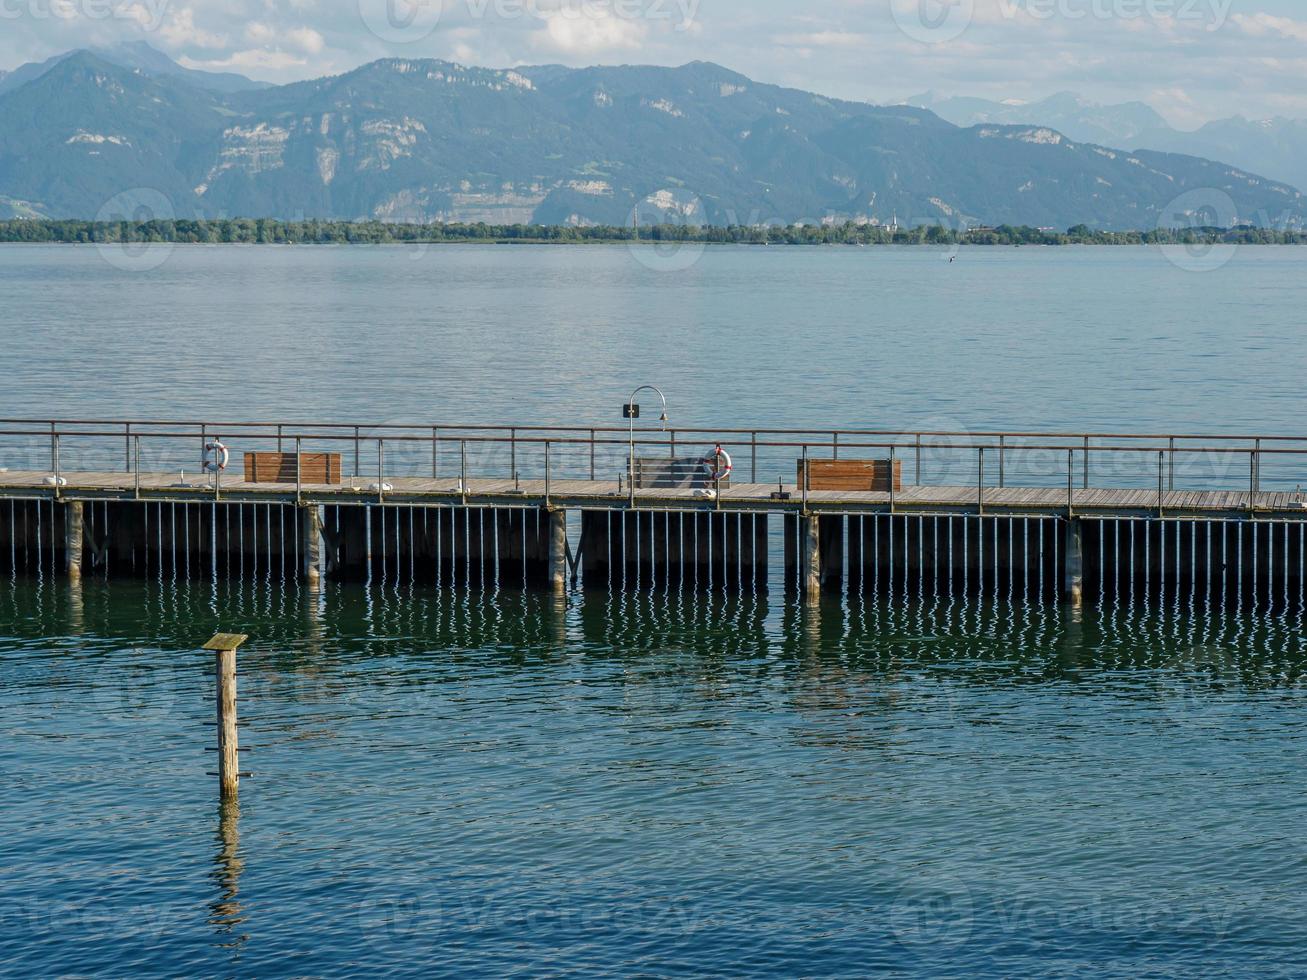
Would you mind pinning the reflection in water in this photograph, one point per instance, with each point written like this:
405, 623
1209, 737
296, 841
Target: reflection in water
552, 775
304, 630
226, 914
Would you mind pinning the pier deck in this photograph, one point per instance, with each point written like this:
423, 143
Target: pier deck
751, 498
496, 506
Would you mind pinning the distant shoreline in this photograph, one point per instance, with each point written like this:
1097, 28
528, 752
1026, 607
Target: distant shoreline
267, 231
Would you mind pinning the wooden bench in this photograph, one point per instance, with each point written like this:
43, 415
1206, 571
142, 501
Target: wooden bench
851, 474
319, 468
673, 474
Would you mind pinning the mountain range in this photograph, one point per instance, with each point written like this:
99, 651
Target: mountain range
426, 140
1274, 147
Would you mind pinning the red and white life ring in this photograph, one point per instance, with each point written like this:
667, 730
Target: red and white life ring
718, 463
216, 457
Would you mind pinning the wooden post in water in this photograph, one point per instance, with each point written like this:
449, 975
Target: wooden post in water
224, 647
311, 545
73, 540
558, 551
810, 557
1075, 563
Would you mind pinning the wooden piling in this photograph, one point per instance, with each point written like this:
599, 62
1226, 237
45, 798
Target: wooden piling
1074, 561
224, 647
73, 540
810, 565
557, 571
311, 545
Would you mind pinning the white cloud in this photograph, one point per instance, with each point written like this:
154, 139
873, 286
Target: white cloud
582, 32
1264, 25
306, 39
1253, 63
180, 31
823, 39
252, 59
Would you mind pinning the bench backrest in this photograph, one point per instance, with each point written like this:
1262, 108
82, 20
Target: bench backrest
852, 474
672, 474
321, 468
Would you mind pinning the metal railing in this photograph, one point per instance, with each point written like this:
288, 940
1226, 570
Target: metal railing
1031, 458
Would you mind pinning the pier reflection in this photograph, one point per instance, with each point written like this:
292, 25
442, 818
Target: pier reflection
313, 643
226, 913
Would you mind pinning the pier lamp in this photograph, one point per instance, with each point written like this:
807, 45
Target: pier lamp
632, 412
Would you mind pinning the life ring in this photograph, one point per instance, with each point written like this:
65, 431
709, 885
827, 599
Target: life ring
216, 457
718, 463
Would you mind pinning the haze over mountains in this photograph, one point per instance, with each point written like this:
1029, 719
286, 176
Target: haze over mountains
422, 140
1275, 147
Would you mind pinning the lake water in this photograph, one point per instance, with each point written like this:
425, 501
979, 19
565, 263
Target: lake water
650, 784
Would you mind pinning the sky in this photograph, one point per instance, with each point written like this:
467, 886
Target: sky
1192, 60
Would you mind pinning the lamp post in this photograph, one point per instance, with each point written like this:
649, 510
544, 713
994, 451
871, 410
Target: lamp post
631, 412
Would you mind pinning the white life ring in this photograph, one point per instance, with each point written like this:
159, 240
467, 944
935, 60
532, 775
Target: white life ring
718, 463
216, 457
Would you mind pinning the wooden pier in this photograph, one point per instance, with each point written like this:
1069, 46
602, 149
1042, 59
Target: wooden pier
459, 526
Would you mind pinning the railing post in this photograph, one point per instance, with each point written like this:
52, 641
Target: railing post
548, 473
753, 455
892, 494
357, 465
673, 444
462, 468
918, 480
54, 447
127, 444
1070, 484
512, 451
806, 481
435, 452
1172, 467
1257, 468
299, 472
381, 471
1252, 481
1086, 463
1161, 496
980, 481
1002, 461
56, 465
135, 464
835, 445
279, 435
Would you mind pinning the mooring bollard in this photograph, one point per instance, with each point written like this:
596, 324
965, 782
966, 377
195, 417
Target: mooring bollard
224, 647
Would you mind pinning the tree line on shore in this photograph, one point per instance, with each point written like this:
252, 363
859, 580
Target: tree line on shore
268, 231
